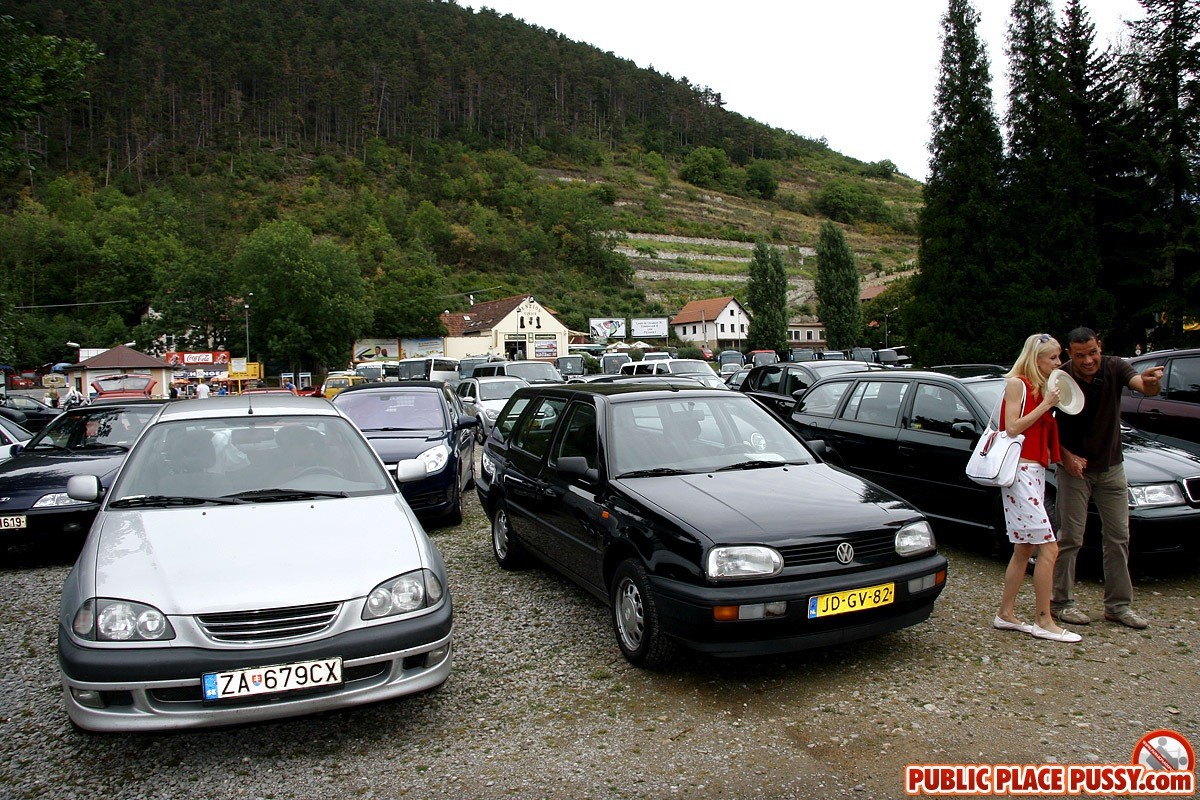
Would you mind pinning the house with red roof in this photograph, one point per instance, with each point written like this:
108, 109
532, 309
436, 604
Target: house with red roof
720, 322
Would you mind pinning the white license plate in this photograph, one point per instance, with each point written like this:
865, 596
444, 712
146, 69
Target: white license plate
272, 680
7, 523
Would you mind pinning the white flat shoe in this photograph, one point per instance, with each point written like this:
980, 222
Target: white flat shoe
1001, 624
1062, 636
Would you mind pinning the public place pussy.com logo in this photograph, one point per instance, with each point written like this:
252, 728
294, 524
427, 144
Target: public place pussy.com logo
1163, 764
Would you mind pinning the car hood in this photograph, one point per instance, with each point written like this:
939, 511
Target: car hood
1150, 461
210, 559
393, 446
766, 504
35, 473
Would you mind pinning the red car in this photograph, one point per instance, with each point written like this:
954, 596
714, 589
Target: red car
707, 351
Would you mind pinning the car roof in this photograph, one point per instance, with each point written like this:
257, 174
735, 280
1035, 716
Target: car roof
497, 379
615, 390
394, 386
234, 404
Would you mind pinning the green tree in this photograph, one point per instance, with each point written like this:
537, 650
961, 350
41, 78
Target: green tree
1048, 194
960, 282
36, 73
407, 297
309, 302
1165, 59
837, 289
766, 297
760, 180
704, 166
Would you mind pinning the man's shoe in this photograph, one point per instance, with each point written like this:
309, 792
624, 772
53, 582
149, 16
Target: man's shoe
1072, 615
1129, 618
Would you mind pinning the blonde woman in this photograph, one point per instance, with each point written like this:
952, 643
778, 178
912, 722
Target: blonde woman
1026, 409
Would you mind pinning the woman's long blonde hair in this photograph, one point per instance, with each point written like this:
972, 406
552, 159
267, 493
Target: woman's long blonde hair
1026, 364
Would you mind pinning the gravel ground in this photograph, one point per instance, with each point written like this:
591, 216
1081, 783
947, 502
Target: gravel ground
541, 703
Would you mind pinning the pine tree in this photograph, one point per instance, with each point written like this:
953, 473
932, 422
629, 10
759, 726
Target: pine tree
837, 289
1048, 208
766, 297
959, 282
1166, 63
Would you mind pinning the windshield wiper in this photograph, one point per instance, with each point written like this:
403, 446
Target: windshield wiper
285, 494
100, 446
164, 501
754, 464
656, 471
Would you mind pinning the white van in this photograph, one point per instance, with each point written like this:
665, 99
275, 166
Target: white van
428, 368
690, 367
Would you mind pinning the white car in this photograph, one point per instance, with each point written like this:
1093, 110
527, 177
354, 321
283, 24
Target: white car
253, 560
10, 434
483, 398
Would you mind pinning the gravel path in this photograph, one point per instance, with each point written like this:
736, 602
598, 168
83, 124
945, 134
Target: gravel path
541, 704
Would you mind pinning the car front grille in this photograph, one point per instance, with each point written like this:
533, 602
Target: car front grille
1192, 485
268, 625
871, 547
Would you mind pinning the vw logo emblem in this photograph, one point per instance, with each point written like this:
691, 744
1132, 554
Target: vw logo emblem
845, 553
4, 499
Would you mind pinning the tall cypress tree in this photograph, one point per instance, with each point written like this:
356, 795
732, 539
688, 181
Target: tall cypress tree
954, 314
1048, 208
766, 296
1166, 62
837, 288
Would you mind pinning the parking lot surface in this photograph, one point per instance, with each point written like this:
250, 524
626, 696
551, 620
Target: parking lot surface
542, 704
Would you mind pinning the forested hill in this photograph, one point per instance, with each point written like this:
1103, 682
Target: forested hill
181, 76
358, 167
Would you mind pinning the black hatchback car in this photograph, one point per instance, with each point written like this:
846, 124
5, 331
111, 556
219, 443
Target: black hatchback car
777, 386
701, 520
912, 432
1174, 411
89, 440
424, 420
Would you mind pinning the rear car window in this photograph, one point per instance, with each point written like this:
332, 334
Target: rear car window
876, 402
823, 400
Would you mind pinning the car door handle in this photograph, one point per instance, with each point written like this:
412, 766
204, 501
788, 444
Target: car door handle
907, 451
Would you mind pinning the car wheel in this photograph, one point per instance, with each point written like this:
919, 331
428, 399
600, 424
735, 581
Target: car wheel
508, 551
635, 618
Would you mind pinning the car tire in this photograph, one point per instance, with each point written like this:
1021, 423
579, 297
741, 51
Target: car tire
635, 618
505, 547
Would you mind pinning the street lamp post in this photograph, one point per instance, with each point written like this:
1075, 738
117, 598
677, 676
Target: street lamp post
885, 326
246, 308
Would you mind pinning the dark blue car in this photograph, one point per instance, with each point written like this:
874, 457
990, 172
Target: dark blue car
423, 420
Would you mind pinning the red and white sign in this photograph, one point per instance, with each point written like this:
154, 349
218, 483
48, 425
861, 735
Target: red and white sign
177, 359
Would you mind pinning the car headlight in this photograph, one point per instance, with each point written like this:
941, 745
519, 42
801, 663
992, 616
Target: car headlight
1159, 494
103, 619
486, 465
742, 561
435, 458
915, 538
491, 414
409, 592
58, 499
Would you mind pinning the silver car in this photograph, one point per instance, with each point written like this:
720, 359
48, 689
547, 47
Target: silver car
253, 560
483, 398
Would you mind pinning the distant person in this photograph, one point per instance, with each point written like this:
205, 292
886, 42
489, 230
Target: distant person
222, 391
173, 393
202, 391
291, 387
1093, 468
1026, 410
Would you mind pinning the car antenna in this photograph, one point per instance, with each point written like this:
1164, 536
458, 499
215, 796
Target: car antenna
250, 404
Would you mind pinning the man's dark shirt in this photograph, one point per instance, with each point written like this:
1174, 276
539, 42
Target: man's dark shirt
1095, 432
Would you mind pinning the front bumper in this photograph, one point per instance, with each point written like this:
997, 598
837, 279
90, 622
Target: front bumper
50, 526
686, 610
159, 688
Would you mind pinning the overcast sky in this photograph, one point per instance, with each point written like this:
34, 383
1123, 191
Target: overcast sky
860, 73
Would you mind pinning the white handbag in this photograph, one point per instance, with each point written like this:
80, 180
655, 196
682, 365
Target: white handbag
996, 455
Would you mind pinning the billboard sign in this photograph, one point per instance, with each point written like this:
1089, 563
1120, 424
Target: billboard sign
607, 327
376, 350
649, 328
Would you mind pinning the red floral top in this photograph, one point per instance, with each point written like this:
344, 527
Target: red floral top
1041, 438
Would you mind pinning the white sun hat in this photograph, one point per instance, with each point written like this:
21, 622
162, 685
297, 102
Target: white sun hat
1070, 395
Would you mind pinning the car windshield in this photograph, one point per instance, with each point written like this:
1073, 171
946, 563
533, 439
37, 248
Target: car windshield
258, 458
98, 427
534, 371
394, 410
498, 390
691, 368
988, 394
698, 434
467, 366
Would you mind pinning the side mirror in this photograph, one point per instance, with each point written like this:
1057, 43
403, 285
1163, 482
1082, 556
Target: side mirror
577, 466
467, 421
85, 488
407, 471
818, 446
963, 430
16, 449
